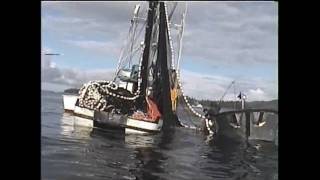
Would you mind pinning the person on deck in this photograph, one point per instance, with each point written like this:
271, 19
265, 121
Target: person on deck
152, 108
173, 90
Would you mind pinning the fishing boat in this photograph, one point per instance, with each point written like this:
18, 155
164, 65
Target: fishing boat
69, 102
146, 92
142, 96
242, 124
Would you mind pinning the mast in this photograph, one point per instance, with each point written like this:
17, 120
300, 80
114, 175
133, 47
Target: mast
163, 59
145, 58
161, 85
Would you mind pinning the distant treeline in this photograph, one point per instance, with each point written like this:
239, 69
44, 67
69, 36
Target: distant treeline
273, 104
211, 104
71, 91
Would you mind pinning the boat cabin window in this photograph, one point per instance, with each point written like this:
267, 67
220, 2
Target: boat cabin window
129, 75
134, 72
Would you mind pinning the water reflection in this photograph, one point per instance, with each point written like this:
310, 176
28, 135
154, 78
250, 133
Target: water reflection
140, 141
242, 160
71, 130
67, 124
175, 153
227, 156
151, 163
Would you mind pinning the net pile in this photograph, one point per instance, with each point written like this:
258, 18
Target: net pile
104, 96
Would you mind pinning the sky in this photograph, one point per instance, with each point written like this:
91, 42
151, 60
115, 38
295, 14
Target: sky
223, 41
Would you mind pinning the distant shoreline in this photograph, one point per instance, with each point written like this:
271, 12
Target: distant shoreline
69, 91
272, 104
49, 91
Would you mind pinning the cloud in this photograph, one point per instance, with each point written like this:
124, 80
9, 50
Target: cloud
228, 32
219, 34
256, 94
48, 67
74, 77
50, 73
213, 87
232, 33
108, 20
96, 46
198, 85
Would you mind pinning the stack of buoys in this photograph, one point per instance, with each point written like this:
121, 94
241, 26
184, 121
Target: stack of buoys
93, 95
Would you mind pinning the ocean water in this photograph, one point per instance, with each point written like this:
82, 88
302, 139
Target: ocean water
69, 151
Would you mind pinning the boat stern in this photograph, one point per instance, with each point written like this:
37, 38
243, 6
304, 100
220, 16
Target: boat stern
136, 126
69, 102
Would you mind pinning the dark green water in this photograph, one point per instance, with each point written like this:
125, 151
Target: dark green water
72, 152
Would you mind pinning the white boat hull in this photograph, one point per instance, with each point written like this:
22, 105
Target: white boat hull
84, 117
134, 126
83, 112
69, 102
80, 121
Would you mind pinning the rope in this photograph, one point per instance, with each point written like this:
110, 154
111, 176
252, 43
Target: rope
208, 122
170, 39
235, 96
122, 60
180, 85
181, 34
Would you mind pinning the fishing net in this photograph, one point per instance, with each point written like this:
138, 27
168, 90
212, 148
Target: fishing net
186, 117
104, 96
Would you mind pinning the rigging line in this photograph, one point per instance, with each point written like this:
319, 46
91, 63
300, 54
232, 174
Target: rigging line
122, 52
182, 32
124, 62
144, 9
142, 28
125, 59
145, 22
174, 8
135, 44
126, 44
190, 112
170, 45
155, 37
235, 96
186, 101
139, 33
225, 92
132, 43
135, 24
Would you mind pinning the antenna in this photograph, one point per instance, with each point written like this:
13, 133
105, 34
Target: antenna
225, 92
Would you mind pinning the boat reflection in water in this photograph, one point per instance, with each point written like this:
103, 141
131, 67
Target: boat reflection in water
140, 141
244, 125
174, 153
75, 127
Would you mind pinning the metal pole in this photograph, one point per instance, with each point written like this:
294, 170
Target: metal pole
247, 125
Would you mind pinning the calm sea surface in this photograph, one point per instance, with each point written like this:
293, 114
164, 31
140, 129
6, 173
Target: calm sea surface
72, 152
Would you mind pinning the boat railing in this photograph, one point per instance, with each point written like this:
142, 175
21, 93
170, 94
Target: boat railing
245, 111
